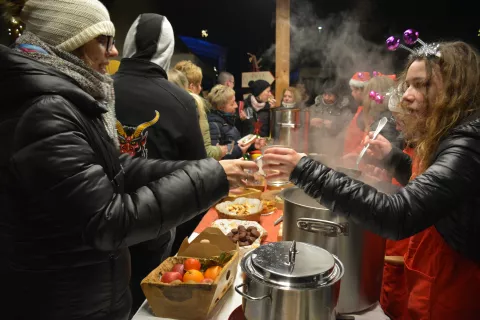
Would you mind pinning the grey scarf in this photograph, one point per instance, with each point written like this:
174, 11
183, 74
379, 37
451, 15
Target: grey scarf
99, 86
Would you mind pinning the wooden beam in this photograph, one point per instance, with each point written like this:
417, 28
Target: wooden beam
282, 52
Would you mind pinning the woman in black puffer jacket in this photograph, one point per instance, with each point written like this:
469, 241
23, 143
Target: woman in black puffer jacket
70, 205
222, 123
439, 207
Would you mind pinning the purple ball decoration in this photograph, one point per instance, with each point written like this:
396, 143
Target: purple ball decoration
392, 43
410, 36
379, 98
372, 95
360, 75
375, 73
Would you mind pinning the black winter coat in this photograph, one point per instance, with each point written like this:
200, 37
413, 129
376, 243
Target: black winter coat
223, 132
141, 88
445, 195
247, 126
71, 206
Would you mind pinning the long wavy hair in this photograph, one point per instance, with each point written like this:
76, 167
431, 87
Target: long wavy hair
371, 109
458, 68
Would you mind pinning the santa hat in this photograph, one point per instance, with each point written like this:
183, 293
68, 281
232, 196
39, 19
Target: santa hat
359, 79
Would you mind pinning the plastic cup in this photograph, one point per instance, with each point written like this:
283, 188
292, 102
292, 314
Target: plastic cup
276, 182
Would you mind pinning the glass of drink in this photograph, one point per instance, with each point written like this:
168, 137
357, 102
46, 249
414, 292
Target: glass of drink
278, 182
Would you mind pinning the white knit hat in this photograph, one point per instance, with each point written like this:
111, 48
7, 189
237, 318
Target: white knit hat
67, 24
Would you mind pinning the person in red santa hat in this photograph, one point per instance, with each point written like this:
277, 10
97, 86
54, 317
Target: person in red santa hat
355, 130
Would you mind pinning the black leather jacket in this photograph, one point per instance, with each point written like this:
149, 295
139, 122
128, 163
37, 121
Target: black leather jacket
70, 206
445, 195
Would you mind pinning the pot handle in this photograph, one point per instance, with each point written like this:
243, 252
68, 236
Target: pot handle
328, 228
246, 296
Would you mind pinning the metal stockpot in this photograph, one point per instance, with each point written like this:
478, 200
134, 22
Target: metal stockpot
290, 127
361, 252
290, 280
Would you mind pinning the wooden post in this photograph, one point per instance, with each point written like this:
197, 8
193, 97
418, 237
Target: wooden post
282, 53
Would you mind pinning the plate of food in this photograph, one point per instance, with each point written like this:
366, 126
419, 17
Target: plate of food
240, 209
248, 234
269, 206
247, 139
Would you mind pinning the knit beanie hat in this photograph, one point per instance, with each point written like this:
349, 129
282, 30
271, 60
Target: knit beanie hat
258, 87
67, 24
359, 79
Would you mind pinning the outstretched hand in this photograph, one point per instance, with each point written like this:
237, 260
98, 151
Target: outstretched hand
280, 162
238, 172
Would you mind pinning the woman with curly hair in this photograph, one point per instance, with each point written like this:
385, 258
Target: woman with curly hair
439, 207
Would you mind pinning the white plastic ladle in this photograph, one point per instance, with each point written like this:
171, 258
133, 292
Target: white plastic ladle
380, 126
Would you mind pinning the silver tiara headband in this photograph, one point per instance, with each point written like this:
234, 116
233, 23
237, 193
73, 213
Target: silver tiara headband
410, 37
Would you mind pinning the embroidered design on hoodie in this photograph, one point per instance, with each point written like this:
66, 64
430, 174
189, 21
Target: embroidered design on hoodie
133, 140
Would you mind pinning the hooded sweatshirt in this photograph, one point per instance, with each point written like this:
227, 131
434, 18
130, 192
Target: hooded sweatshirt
157, 119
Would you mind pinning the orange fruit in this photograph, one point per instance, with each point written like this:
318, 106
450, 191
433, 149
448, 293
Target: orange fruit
213, 272
193, 275
192, 264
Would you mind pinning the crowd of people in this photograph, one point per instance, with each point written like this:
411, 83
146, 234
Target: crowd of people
102, 178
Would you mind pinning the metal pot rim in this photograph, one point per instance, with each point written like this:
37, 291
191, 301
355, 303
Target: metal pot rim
298, 203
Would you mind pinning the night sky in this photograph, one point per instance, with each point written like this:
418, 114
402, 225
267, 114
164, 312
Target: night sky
249, 25
244, 26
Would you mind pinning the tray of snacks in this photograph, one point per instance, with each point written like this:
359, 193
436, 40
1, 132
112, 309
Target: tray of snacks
248, 234
272, 198
240, 209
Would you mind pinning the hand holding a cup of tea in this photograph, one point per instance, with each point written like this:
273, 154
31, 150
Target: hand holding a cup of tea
279, 162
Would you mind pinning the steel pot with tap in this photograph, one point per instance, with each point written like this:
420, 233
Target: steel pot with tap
290, 280
361, 252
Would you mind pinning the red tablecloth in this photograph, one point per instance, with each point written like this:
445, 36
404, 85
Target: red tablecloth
265, 221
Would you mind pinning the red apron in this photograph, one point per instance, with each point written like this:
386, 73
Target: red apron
353, 135
394, 295
442, 284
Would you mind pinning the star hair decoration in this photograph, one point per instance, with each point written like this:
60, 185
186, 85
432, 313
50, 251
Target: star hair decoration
410, 37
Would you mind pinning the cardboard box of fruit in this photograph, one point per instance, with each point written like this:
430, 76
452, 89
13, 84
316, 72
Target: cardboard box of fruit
190, 285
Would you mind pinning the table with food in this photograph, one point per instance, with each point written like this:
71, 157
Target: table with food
269, 252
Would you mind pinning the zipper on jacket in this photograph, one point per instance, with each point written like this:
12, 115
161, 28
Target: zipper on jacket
111, 258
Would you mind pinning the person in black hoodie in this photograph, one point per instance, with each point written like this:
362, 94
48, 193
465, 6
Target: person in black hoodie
142, 92
71, 204
255, 116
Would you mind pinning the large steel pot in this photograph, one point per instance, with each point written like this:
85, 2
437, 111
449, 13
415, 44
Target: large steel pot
361, 252
290, 127
290, 280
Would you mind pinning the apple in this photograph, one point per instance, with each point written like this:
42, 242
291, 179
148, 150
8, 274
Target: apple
170, 276
207, 280
175, 282
180, 268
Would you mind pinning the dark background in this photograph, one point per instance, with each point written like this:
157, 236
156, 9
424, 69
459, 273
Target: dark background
243, 26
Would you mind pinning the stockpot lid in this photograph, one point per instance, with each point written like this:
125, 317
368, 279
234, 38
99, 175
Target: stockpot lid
293, 264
